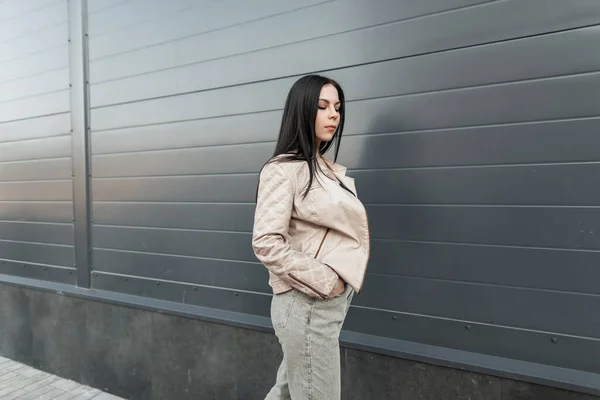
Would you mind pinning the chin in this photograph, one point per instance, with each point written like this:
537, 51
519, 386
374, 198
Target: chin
326, 138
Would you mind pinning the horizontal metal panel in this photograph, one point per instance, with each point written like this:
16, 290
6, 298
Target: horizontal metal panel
564, 97
327, 19
520, 185
227, 274
247, 128
266, 96
535, 347
16, 8
536, 268
35, 253
538, 310
208, 244
37, 232
36, 191
53, 147
181, 24
40, 127
51, 59
565, 270
41, 18
30, 107
540, 100
242, 302
570, 228
59, 168
547, 185
565, 185
36, 211
99, 5
207, 160
51, 81
488, 145
514, 226
223, 217
236, 188
41, 272
528, 58
136, 12
42, 40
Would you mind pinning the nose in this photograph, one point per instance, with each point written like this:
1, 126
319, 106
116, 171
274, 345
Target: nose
333, 114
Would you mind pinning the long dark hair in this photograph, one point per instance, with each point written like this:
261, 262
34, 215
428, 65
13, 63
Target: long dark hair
297, 138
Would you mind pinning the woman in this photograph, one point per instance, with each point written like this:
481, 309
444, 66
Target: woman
311, 233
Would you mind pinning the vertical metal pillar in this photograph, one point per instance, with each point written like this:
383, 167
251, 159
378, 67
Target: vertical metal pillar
80, 127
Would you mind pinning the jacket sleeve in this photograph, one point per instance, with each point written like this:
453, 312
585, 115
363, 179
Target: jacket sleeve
270, 239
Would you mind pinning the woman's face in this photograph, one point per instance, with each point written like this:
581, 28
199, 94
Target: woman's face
328, 115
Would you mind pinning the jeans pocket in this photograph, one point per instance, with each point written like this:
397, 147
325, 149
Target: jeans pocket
281, 308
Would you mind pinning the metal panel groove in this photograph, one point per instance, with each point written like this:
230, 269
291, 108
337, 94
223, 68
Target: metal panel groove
234, 246
124, 15
97, 6
37, 211
521, 19
34, 271
527, 267
32, 44
332, 19
34, 64
37, 127
228, 299
537, 227
202, 271
42, 18
47, 85
566, 97
37, 232
36, 190
480, 338
363, 145
476, 302
33, 149
184, 24
431, 71
18, 8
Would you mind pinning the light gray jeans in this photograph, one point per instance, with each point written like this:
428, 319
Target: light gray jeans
308, 330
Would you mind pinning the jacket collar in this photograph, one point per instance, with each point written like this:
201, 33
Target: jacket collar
337, 168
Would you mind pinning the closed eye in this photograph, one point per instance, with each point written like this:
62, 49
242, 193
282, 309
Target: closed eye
325, 108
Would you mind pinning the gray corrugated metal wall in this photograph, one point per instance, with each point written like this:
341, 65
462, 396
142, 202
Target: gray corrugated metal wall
472, 135
36, 197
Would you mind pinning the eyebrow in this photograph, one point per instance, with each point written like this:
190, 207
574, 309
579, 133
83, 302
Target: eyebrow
327, 101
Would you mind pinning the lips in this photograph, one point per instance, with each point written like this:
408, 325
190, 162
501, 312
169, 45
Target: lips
331, 127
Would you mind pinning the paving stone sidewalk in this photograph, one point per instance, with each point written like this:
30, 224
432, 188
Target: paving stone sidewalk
21, 382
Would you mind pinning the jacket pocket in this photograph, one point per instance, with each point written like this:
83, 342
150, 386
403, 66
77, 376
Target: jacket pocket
308, 285
281, 308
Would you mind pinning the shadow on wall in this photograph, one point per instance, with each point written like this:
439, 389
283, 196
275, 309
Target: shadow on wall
373, 151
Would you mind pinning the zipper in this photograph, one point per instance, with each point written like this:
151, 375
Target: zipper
322, 241
368, 248
314, 289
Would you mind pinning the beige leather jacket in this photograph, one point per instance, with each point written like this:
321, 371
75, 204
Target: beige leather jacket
305, 243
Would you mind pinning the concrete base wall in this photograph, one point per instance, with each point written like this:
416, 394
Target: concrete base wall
146, 355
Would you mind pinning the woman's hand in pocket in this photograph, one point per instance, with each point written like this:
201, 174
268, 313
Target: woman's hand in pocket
340, 287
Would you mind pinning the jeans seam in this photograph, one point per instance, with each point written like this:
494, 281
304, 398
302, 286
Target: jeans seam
308, 352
